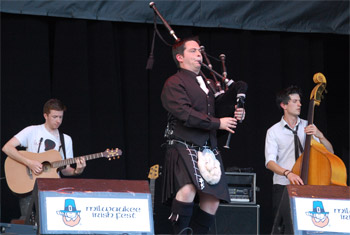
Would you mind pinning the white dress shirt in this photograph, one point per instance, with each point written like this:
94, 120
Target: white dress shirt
202, 84
279, 147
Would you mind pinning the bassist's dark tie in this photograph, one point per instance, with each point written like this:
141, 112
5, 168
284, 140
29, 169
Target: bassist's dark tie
297, 144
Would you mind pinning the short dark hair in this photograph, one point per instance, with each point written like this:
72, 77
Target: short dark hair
179, 48
283, 95
53, 104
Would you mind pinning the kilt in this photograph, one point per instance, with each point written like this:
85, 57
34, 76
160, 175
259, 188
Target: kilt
181, 168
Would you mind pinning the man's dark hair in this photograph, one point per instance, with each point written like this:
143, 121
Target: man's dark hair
179, 48
53, 104
283, 95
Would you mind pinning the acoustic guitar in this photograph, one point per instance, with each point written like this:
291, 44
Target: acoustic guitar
21, 179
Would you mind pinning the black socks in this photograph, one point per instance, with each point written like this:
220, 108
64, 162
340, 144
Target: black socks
180, 217
201, 222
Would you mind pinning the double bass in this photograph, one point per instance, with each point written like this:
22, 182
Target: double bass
316, 165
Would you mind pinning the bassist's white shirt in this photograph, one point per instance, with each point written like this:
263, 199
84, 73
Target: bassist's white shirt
37, 139
279, 147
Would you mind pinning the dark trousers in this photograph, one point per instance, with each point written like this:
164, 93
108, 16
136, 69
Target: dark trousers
280, 206
277, 192
24, 203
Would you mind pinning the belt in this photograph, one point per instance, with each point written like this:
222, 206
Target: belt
189, 144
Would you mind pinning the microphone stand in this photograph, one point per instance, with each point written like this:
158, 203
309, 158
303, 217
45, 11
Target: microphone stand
240, 104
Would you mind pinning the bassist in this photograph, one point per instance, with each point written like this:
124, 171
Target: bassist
41, 138
281, 147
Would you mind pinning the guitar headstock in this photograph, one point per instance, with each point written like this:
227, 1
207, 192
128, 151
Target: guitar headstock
153, 172
112, 153
316, 93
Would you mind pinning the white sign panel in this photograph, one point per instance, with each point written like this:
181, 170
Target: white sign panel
104, 214
326, 215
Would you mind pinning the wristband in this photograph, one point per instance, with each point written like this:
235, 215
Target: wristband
288, 174
284, 172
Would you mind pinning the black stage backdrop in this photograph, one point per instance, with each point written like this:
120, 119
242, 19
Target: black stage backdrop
97, 68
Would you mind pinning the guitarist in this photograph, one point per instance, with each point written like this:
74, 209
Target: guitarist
41, 138
280, 151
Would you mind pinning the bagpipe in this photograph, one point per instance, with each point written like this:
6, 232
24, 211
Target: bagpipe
223, 88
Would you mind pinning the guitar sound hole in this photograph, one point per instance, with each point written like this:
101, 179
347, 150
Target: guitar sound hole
46, 166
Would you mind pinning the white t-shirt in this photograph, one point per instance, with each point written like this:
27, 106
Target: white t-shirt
279, 147
37, 139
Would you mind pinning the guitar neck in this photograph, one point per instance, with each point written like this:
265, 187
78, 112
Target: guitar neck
153, 175
58, 164
152, 188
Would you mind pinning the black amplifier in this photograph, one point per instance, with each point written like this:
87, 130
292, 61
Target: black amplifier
241, 187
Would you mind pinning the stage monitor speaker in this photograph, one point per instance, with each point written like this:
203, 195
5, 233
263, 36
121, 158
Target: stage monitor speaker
313, 209
90, 206
236, 219
241, 187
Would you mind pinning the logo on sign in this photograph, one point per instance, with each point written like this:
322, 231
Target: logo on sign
318, 215
70, 214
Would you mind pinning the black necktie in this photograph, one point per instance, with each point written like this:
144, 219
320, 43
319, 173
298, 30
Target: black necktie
297, 144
